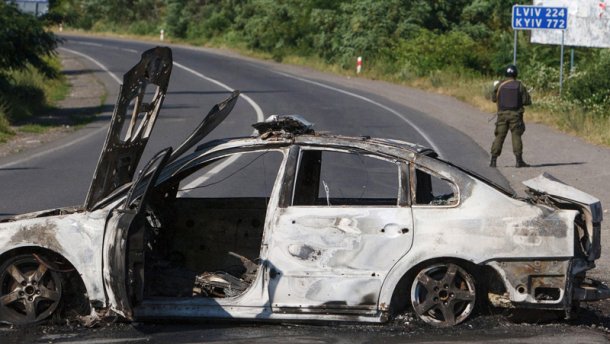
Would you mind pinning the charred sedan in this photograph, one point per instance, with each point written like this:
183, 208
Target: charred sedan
292, 224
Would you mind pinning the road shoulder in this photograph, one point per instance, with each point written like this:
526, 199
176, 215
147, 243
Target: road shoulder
84, 99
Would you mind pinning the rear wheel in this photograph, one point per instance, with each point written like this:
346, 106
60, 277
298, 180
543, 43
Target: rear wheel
29, 290
443, 294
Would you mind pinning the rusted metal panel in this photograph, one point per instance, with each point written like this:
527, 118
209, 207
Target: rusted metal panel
534, 281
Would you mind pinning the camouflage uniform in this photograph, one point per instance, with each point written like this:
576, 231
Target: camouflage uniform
510, 95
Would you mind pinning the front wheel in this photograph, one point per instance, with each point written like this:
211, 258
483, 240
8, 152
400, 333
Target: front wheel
29, 291
443, 294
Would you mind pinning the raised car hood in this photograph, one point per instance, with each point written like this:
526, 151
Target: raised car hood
123, 147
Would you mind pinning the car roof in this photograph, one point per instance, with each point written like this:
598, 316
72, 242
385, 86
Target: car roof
392, 147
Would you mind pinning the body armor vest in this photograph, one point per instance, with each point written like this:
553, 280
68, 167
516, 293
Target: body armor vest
509, 97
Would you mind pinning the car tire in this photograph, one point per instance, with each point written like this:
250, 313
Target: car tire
29, 290
443, 294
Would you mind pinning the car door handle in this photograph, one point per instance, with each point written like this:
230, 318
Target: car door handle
395, 228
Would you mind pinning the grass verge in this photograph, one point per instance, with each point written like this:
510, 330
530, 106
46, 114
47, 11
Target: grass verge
26, 95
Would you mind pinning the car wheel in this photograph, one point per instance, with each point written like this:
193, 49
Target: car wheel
29, 290
443, 294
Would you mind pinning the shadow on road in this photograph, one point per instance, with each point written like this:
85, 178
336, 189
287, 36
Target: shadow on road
19, 169
557, 164
81, 71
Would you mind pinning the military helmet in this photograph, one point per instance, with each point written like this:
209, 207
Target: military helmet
511, 71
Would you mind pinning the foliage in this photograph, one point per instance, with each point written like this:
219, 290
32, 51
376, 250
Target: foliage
590, 86
429, 52
29, 92
27, 66
401, 40
23, 41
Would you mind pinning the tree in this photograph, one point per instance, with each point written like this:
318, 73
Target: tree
23, 41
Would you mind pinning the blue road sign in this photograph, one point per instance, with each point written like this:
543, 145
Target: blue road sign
538, 17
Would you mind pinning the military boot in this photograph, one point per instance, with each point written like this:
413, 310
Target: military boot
520, 162
492, 163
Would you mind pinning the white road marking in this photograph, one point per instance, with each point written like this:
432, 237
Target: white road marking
54, 149
368, 100
77, 140
209, 174
101, 45
259, 116
259, 113
90, 43
99, 64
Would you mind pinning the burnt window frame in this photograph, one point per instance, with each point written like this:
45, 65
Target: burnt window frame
403, 198
413, 167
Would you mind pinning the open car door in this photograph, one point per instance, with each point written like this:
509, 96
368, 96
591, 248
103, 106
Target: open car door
125, 254
126, 234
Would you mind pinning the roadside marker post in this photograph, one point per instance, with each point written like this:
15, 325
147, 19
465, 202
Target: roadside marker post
528, 17
162, 35
358, 64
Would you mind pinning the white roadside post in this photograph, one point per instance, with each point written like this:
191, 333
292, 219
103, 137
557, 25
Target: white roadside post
358, 64
161, 35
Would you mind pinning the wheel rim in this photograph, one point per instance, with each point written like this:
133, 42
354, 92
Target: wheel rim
443, 294
29, 291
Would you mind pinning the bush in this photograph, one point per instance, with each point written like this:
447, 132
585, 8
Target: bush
23, 41
541, 77
23, 97
5, 129
590, 87
142, 27
429, 52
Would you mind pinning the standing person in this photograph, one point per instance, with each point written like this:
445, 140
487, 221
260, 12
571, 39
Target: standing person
510, 95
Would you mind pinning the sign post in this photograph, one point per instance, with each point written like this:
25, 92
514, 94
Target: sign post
527, 17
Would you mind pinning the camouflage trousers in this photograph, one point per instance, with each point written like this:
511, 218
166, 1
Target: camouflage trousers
508, 120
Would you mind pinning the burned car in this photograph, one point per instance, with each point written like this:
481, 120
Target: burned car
291, 224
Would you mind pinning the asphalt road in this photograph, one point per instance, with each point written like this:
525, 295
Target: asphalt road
59, 175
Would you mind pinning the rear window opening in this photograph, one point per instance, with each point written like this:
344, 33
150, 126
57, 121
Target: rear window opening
432, 190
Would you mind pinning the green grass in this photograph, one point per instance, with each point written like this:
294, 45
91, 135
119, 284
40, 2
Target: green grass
28, 95
34, 128
547, 108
